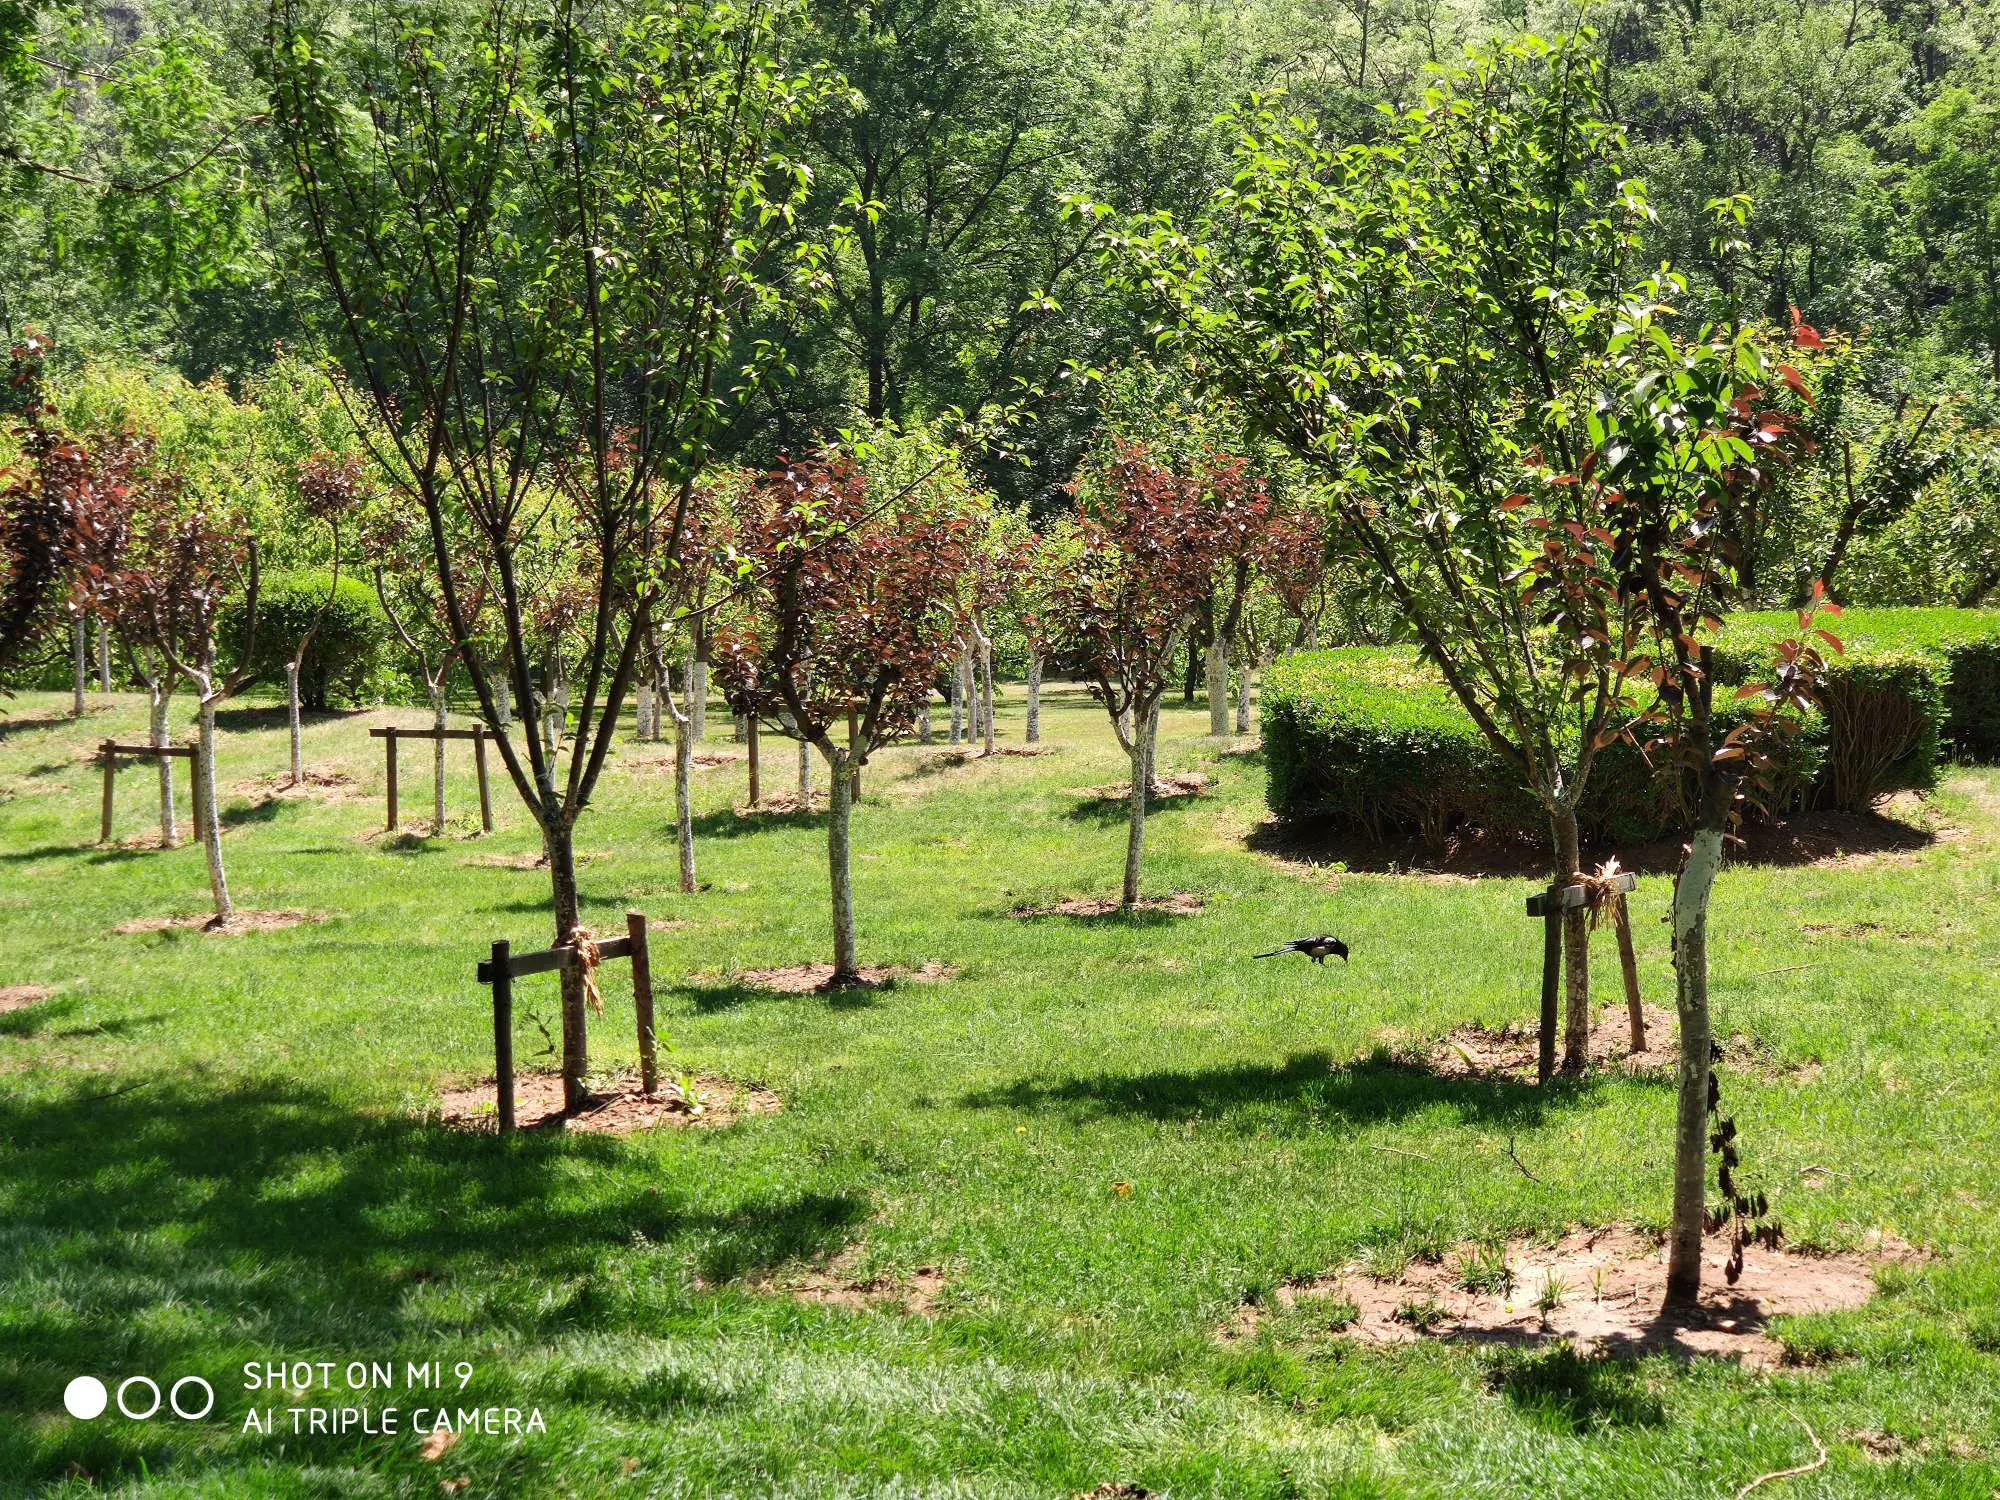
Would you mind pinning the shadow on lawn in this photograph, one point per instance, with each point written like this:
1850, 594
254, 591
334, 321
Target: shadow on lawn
1308, 1087
160, 1227
737, 823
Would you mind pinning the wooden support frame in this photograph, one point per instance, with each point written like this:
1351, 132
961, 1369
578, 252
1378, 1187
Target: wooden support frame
390, 737
502, 968
1550, 905
110, 752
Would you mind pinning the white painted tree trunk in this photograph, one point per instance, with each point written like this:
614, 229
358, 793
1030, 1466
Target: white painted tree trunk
805, 764
740, 728
697, 696
957, 704
1692, 889
1243, 697
211, 817
1218, 688
1034, 697
292, 718
986, 690
840, 877
77, 674
103, 657
684, 790
158, 695
924, 723
642, 710
437, 763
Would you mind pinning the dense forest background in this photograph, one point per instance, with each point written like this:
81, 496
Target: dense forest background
143, 218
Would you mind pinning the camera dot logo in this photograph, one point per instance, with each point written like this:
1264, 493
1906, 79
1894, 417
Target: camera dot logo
85, 1398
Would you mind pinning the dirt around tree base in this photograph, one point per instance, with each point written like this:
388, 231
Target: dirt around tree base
327, 786
838, 1283
618, 1107
1512, 1051
811, 979
1165, 788
240, 921
1180, 904
20, 996
782, 805
1605, 1289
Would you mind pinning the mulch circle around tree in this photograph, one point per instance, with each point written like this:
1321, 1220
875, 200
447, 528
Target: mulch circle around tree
810, 979
326, 786
1511, 1051
1165, 788
839, 1283
1599, 1290
782, 804
618, 1105
239, 921
1180, 904
20, 996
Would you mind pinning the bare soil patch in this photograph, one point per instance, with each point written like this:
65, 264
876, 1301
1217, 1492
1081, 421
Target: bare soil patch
707, 760
20, 996
240, 921
324, 785
1601, 1290
810, 979
1510, 1051
1028, 749
618, 1106
1180, 904
517, 861
838, 1283
1165, 788
782, 804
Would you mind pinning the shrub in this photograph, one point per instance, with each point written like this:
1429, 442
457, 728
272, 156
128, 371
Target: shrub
346, 659
1369, 738
1909, 683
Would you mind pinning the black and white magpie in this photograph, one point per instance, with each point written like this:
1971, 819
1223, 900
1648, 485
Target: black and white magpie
1318, 949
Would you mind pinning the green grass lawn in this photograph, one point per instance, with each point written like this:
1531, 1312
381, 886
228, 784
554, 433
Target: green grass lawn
214, 1150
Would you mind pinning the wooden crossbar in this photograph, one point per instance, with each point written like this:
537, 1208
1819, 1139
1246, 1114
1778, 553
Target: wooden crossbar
108, 755
1550, 905
503, 968
156, 752
393, 735
429, 734
1569, 897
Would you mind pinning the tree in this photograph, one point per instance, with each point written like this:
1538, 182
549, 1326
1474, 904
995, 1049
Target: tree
860, 597
1681, 429
329, 490
35, 508
544, 224
1417, 321
1138, 569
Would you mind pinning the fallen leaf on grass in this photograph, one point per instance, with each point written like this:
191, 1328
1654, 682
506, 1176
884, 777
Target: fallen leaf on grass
441, 1441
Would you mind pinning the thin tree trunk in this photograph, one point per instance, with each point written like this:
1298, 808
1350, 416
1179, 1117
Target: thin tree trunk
558, 844
211, 831
753, 739
642, 710
158, 696
1034, 697
697, 696
740, 728
1135, 833
103, 657
1243, 698
1692, 889
805, 765
684, 789
924, 723
986, 689
1576, 945
1628, 966
292, 718
437, 763
77, 674
846, 968
957, 704
1218, 688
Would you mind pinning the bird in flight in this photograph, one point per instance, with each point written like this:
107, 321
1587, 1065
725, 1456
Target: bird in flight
1318, 949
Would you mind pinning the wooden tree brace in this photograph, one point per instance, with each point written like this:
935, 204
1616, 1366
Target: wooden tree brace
478, 734
1550, 905
108, 754
504, 967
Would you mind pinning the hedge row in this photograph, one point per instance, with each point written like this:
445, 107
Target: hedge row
1371, 739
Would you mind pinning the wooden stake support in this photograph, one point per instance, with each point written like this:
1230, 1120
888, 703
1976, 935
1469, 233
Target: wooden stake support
1550, 905
108, 755
503, 968
478, 735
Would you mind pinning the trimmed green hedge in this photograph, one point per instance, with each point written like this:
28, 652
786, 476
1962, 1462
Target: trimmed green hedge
1370, 738
349, 651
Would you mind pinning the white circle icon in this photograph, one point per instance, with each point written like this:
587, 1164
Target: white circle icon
126, 1385
207, 1390
85, 1398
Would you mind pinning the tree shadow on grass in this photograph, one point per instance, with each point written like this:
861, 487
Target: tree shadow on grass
244, 814
1118, 809
95, 854
39, 1020
1305, 1092
167, 1228
737, 822
275, 716
1569, 1394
